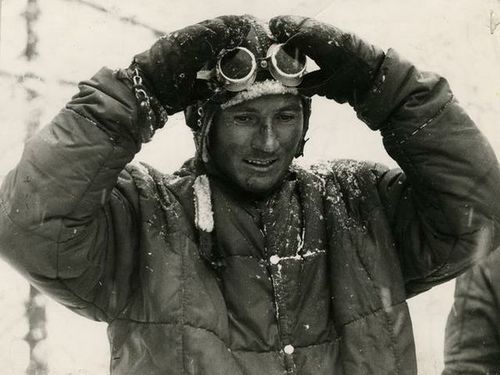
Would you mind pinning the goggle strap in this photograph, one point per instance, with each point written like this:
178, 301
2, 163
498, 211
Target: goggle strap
206, 75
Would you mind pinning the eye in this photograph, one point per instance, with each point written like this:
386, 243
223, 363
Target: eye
244, 119
287, 116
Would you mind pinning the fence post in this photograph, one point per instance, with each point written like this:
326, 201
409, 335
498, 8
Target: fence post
35, 306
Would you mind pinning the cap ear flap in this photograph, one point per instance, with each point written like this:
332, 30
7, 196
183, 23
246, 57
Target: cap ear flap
191, 116
306, 108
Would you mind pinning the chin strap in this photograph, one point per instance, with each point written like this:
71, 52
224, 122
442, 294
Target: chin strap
306, 105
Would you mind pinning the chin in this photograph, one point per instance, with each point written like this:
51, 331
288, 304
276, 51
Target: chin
260, 189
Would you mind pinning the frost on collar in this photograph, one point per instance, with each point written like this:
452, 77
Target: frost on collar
204, 216
258, 89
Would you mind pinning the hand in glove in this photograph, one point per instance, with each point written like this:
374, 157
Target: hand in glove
170, 65
347, 64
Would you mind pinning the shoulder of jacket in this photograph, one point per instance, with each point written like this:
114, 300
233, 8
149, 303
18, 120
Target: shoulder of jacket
349, 178
348, 169
172, 193
150, 182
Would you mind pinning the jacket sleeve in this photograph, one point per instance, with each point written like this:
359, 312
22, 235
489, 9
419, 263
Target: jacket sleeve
443, 206
472, 341
65, 222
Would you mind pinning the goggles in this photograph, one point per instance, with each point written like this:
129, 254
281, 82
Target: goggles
236, 69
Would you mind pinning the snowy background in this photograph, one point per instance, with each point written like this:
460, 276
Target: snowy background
456, 38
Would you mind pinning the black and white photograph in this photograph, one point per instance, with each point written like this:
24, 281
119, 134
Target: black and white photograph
249, 188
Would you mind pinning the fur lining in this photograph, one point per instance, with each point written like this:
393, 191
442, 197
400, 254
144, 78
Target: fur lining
258, 89
204, 216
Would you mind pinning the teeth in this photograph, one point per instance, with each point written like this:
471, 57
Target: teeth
260, 162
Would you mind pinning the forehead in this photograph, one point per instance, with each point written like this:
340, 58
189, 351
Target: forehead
268, 103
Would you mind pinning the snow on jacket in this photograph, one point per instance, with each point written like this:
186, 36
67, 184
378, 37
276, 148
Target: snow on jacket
321, 290
472, 343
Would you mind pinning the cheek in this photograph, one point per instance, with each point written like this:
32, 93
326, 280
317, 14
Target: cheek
230, 146
290, 138
231, 140
226, 153
221, 144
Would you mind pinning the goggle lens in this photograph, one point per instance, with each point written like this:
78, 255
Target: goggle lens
288, 63
237, 63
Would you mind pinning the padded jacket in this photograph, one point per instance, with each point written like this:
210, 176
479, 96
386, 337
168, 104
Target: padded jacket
472, 344
317, 287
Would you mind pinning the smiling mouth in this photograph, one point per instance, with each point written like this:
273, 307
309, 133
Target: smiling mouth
259, 163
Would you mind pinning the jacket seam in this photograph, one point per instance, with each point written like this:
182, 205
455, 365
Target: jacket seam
57, 278
443, 264
134, 288
327, 342
83, 117
160, 192
387, 320
110, 135
278, 351
430, 120
410, 164
24, 228
371, 313
110, 93
90, 303
91, 182
438, 268
77, 203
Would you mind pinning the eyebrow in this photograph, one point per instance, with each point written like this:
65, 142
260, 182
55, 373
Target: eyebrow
288, 107
243, 109
291, 107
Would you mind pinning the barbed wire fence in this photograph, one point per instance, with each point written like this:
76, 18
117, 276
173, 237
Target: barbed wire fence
115, 14
23, 77
29, 80
35, 305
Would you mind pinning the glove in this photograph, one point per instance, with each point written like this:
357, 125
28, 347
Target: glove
170, 65
347, 64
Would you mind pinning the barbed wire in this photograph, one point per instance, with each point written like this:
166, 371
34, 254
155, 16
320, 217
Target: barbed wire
128, 19
23, 77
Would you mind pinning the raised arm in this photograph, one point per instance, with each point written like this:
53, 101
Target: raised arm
444, 208
58, 202
68, 212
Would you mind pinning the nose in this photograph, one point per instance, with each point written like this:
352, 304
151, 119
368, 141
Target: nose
266, 140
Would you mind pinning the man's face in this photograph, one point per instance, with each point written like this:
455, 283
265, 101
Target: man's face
254, 143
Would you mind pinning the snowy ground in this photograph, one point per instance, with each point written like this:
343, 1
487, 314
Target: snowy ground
454, 38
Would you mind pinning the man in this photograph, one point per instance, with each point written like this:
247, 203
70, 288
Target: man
472, 343
240, 263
